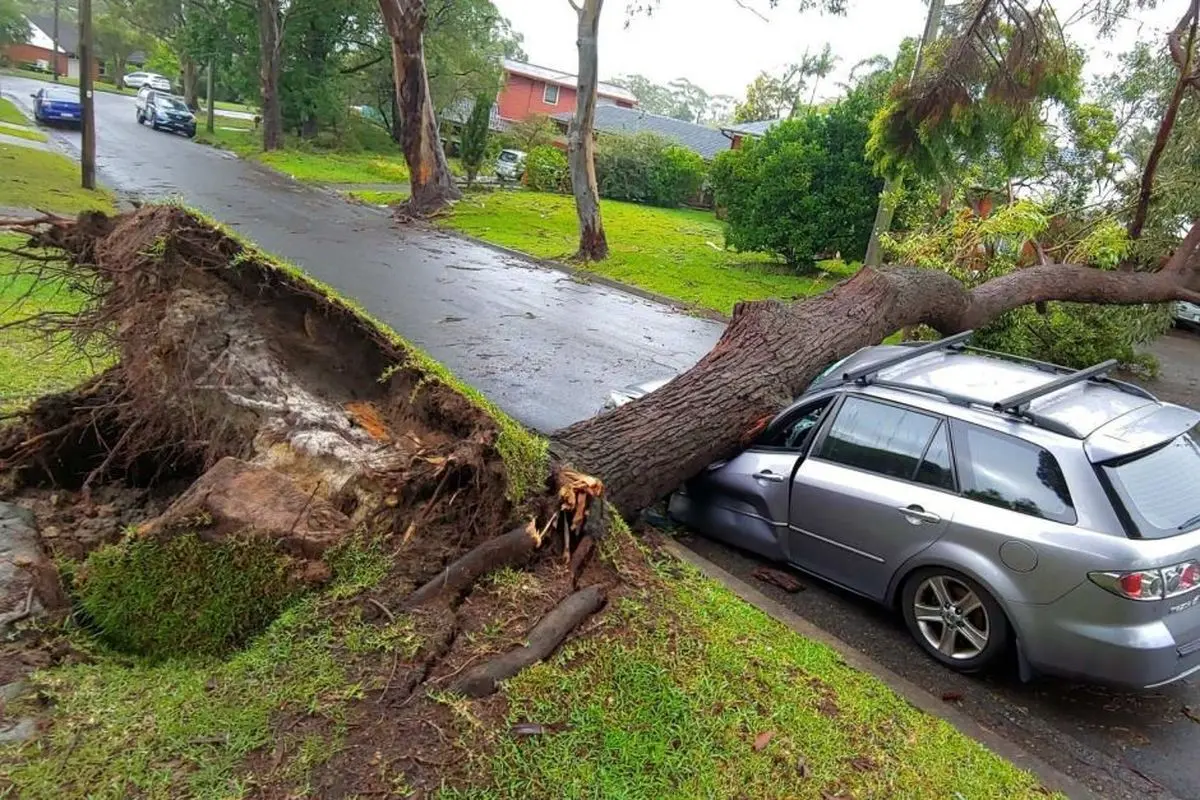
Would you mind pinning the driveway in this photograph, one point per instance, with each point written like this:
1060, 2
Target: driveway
545, 347
548, 348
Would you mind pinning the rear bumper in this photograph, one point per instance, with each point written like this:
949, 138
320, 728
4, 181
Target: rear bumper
1061, 639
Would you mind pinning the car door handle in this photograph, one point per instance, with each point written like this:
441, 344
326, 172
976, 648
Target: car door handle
916, 515
771, 477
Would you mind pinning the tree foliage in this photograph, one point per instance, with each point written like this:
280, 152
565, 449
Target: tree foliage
14, 29
805, 187
546, 170
785, 95
475, 136
646, 168
536, 130
680, 99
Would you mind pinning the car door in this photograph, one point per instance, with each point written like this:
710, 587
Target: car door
877, 489
744, 501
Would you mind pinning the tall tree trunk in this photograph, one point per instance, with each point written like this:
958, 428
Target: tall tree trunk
429, 173
119, 68
190, 82
892, 186
581, 144
772, 350
269, 46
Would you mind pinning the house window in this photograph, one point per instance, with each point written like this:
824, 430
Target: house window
550, 95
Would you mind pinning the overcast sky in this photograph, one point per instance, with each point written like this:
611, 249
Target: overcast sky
721, 47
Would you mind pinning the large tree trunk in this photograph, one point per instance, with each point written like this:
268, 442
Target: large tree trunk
429, 173
772, 350
119, 67
581, 145
270, 43
190, 83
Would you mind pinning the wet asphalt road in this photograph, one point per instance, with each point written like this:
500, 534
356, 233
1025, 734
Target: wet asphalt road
547, 348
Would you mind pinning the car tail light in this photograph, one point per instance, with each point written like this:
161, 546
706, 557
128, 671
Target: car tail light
1151, 584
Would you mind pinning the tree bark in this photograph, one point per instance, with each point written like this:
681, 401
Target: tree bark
772, 350
429, 173
190, 88
581, 145
119, 67
270, 42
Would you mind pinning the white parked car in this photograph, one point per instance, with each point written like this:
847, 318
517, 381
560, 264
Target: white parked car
136, 80
1187, 315
510, 165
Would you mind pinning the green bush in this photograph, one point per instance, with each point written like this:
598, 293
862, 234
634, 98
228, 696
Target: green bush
183, 596
804, 188
546, 170
645, 168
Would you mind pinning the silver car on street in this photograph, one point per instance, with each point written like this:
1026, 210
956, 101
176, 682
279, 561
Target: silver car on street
994, 501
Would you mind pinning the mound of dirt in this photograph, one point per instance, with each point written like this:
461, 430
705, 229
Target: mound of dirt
251, 405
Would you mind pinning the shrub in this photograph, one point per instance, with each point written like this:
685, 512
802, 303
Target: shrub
645, 168
183, 596
546, 170
537, 130
804, 188
475, 136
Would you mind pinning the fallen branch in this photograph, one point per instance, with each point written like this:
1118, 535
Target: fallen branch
502, 551
547, 635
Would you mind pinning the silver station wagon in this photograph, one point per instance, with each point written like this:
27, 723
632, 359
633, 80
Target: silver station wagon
995, 501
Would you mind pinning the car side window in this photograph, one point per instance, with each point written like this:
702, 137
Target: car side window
935, 468
879, 437
1004, 471
797, 432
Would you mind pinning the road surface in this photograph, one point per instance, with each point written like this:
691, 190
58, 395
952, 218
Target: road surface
547, 349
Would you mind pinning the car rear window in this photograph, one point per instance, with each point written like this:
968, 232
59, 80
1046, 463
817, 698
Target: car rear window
507, 155
1160, 489
62, 96
1004, 471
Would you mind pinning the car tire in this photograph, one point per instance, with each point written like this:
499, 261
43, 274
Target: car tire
954, 619
153, 124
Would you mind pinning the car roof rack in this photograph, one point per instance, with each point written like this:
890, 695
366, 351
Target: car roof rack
1124, 386
862, 375
1019, 403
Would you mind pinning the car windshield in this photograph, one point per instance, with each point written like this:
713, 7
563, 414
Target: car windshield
1161, 489
508, 155
172, 104
62, 95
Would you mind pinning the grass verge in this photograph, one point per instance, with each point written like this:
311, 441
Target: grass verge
313, 166
30, 364
37, 179
126, 727
694, 693
24, 133
377, 198
678, 253
10, 113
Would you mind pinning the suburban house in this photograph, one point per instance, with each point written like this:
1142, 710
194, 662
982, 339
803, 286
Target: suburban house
530, 89
38, 48
705, 141
748, 130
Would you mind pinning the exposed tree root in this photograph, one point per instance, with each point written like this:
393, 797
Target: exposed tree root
503, 551
547, 635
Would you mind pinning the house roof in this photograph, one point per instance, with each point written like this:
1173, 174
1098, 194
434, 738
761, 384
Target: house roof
41, 33
614, 119
561, 78
757, 128
460, 110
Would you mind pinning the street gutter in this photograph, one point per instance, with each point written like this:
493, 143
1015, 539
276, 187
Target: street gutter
1050, 777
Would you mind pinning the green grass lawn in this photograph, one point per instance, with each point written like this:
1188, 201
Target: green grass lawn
227, 106
695, 693
32, 364
674, 252
48, 181
311, 165
10, 113
24, 133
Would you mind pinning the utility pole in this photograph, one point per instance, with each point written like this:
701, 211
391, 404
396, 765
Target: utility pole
211, 86
86, 95
891, 186
54, 55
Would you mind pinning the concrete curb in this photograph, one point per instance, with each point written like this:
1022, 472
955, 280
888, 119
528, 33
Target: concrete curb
1050, 777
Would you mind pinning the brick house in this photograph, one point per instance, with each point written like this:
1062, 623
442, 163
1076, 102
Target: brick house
38, 48
530, 89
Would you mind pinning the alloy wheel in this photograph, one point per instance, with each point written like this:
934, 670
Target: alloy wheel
951, 617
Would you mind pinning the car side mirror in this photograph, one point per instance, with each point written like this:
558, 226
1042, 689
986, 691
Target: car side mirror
716, 465
33, 95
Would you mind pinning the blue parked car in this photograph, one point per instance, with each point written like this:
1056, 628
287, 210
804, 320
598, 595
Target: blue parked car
57, 104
